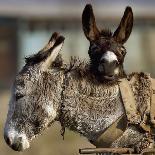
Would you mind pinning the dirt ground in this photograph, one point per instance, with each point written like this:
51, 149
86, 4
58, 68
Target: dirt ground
49, 143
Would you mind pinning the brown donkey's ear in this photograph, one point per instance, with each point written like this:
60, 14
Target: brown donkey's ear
124, 29
89, 25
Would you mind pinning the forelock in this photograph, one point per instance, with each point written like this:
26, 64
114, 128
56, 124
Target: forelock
106, 33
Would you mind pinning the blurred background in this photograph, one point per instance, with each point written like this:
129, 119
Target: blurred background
26, 26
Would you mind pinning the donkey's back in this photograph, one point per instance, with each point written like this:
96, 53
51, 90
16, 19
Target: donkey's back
91, 107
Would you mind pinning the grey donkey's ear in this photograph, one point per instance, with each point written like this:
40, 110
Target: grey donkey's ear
49, 53
89, 25
124, 29
53, 47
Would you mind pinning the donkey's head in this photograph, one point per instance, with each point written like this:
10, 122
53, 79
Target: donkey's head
106, 50
33, 105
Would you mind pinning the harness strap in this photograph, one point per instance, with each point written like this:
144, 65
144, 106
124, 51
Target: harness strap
131, 110
112, 133
119, 126
148, 123
129, 102
132, 116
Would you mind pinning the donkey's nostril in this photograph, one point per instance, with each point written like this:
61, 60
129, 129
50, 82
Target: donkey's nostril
17, 141
17, 147
15, 144
8, 140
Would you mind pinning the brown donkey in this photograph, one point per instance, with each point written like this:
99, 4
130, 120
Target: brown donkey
106, 49
84, 97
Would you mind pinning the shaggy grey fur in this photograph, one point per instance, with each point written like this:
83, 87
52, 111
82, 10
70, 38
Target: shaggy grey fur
71, 94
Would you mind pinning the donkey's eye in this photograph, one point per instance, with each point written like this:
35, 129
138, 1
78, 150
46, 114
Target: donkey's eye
122, 51
19, 96
95, 48
98, 48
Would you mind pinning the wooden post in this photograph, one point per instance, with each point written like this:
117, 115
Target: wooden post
105, 150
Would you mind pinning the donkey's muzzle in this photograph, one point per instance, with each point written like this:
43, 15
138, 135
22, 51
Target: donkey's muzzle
108, 68
17, 142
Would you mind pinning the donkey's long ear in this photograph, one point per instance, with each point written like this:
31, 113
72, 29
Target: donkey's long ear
53, 47
89, 25
124, 29
48, 54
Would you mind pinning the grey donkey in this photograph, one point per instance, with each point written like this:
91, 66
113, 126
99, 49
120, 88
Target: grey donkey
82, 96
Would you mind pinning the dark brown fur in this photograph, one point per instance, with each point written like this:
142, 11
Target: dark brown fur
104, 40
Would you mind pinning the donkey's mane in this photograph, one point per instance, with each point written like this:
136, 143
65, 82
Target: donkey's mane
82, 66
82, 69
35, 58
75, 63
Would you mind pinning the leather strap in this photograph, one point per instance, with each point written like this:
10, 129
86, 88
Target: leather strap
112, 133
119, 126
148, 123
132, 116
129, 102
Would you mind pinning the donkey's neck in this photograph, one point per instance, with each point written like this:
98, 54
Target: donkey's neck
88, 106
82, 103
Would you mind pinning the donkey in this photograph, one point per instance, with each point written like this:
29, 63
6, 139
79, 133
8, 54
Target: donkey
106, 50
82, 96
